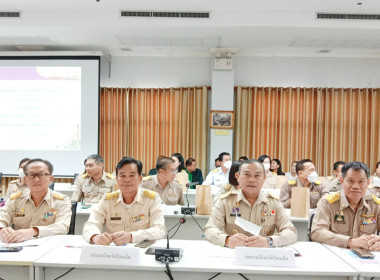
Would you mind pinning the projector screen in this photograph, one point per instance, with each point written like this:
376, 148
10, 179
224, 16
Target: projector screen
49, 108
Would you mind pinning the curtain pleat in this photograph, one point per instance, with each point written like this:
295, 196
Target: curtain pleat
146, 123
323, 124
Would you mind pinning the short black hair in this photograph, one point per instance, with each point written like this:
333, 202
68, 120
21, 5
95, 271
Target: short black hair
98, 159
250, 161
48, 164
189, 161
163, 163
221, 155
22, 161
216, 159
234, 168
300, 164
129, 160
377, 164
243, 158
263, 157
337, 163
355, 165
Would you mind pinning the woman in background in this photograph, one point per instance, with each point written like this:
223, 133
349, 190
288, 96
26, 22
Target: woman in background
276, 167
182, 177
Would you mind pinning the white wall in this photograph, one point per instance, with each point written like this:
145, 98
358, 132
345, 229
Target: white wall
142, 72
307, 72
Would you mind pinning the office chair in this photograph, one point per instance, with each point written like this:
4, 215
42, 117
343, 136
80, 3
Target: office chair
75, 176
51, 186
310, 224
73, 216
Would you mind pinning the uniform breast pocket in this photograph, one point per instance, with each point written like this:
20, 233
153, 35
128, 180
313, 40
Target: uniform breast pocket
87, 188
115, 225
19, 222
340, 228
142, 224
268, 225
48, 220
104, 189
368, 229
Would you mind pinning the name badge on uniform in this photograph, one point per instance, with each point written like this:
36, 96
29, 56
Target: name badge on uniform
235, 210
138, 218
19, 215
115, 218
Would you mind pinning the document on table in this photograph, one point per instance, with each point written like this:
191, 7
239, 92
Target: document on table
248, 226
29, 243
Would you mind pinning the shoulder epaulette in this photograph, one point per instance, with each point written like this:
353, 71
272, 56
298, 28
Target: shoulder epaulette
330, 177
149, 194
58, 196
292, 182
111, 195
227, 194
331, 198
109, 175
317, 182
14, 181
272, 195
147, 178
84, 175
274, 173
371, 186
214, 170
14, 196
228, 187
376, 199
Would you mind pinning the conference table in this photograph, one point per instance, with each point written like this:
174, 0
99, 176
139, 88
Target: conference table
201, 260
367, 268
20, 265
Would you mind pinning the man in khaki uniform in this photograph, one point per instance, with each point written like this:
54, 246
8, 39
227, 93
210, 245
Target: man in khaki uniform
38, 211
18, 185
252, 204
307, 178
349, 218
131, 214
92, 185
333, 182
163, 183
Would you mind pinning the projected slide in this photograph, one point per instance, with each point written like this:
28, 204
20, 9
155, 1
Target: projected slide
40, 108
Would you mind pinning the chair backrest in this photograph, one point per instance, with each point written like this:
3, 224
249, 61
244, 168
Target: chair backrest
75, 176
310, 224
73, 216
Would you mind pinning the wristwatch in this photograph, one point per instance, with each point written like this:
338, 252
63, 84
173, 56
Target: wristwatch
270, 242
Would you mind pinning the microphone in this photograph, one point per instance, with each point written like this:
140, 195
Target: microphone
188, 210
166, 254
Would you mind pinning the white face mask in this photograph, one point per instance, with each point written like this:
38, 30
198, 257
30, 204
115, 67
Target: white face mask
266, 166
20, 172
227, 164
313, 176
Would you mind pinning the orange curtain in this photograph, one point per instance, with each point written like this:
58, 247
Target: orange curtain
323, 124
145, 123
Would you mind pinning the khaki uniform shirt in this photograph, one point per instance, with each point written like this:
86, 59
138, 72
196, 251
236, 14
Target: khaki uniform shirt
267, 212
273, 181
334, 185
335, 221
171, 195
143, 218
217, 177
15, 186
374, 190
317, 190
90, 191
51, 217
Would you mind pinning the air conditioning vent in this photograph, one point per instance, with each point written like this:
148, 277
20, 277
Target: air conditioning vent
165, 14
348, 16
10, 14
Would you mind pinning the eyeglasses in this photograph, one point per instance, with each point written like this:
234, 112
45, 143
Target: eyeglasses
40, 176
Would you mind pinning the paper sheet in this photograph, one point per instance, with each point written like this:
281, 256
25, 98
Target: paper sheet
248, 226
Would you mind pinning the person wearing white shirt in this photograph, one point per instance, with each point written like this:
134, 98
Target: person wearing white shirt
219, 176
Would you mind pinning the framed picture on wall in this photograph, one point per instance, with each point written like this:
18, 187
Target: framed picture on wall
222, 119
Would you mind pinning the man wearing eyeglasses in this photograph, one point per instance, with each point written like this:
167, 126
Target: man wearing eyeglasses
163, 183
37, 211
